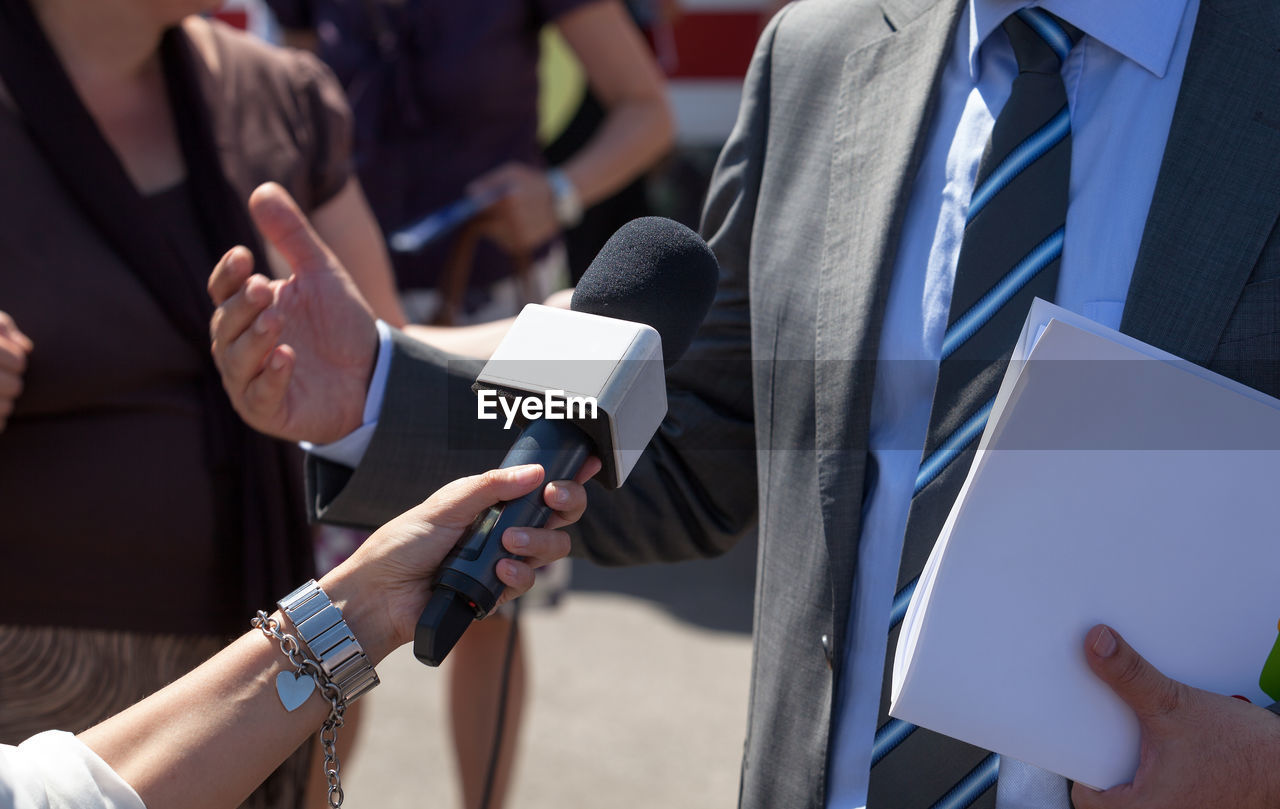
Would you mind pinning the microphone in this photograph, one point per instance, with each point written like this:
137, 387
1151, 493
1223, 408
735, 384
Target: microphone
583, 381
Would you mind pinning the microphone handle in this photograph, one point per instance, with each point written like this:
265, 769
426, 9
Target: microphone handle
467, 585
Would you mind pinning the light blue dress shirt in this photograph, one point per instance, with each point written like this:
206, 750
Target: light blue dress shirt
1122, 83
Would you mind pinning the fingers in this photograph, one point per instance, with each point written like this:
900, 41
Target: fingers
538, 547
457, 504
245, 332
13, 354
10, 381
589, 470
229, 274
13, 340
284, 226
1149, 693
242, 334
266, 392
495, 181
14, 347
568, 499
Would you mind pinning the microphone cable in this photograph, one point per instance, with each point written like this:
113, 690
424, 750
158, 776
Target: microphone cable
500, 721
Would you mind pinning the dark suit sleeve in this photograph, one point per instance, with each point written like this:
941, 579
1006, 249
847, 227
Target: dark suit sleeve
692, 494
427, 435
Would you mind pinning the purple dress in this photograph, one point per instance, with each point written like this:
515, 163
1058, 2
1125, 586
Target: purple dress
442, 92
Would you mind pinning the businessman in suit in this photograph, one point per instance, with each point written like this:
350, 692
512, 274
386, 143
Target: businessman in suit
837, 211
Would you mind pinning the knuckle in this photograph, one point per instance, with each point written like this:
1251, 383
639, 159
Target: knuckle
490, 478
1131, 671
257, 396
561, 544
1166, 697
528, 576
520, 578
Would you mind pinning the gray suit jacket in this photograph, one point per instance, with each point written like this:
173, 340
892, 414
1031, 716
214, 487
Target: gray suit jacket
769, 411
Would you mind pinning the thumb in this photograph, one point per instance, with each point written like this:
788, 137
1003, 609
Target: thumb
457, 504
1141, 685
286, 228
489, 187
10, 331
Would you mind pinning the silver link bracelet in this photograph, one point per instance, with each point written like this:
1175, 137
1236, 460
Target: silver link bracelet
342, 672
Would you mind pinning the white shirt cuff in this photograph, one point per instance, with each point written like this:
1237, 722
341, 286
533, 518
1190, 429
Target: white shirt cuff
55, 770
349, 450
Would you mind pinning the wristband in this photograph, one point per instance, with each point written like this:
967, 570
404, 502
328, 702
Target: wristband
568, 205
342, 671
321, 627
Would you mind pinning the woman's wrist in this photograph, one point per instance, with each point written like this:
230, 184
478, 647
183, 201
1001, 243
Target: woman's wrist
365, 612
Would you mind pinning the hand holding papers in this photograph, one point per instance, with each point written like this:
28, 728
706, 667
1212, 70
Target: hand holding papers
1114, 483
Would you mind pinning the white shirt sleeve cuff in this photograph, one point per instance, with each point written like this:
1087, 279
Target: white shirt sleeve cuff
55, 770
349, 450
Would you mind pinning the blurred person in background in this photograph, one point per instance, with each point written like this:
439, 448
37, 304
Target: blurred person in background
654, 19
445, 98
142, 517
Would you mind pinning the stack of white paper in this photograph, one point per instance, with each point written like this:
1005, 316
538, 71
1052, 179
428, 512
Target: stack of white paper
1114, 484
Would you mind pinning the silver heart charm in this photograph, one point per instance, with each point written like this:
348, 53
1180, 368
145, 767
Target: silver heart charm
294, 689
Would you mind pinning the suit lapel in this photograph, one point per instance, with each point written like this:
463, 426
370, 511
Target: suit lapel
887, 86
1216, 198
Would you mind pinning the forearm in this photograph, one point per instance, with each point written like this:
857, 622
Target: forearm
210, 738
637, 129
477, 341
633, 136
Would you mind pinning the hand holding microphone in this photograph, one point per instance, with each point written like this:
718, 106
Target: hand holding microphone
634, 313
296, 356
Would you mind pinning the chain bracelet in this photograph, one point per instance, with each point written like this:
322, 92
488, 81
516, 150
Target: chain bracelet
292, 649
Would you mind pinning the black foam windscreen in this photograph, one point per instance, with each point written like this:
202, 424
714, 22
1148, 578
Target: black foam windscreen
653, 271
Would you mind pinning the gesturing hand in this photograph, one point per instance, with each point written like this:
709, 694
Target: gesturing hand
296, 354
14, 348
1199, 749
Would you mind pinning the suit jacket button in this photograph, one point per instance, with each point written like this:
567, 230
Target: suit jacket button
826, 649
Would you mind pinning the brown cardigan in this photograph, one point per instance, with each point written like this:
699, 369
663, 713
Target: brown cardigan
107, 495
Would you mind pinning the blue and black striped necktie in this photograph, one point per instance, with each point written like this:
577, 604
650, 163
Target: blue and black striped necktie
1010, 254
